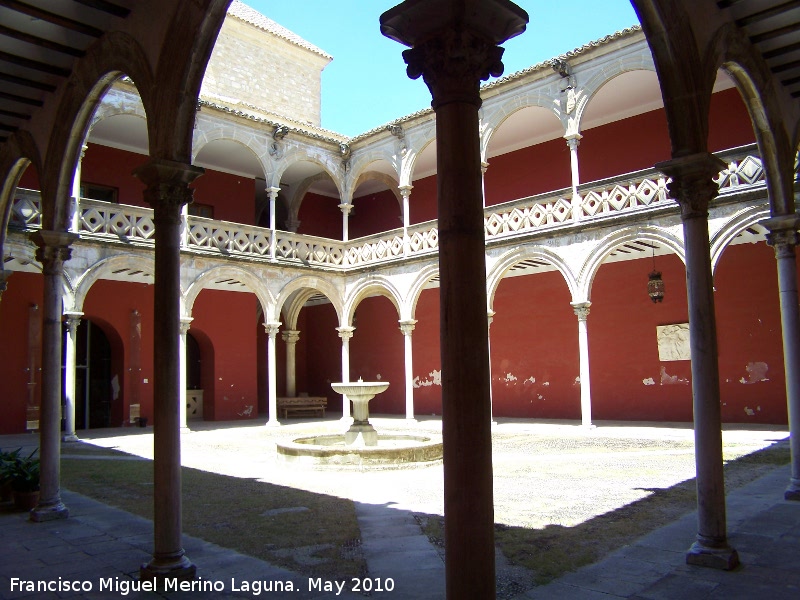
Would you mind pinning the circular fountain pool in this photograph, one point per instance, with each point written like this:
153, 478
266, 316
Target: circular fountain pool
391, 451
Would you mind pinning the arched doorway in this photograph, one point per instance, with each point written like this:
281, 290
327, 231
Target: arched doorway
96, 391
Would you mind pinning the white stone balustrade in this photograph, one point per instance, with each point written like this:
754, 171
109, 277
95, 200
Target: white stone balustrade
598, 201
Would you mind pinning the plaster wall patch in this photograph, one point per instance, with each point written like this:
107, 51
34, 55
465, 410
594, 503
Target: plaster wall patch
509, 378
649, 380
434, 378
530, 379
756, 371
667, 379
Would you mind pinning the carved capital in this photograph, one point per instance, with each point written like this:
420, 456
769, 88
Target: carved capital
346, 208
693, 186
272, 193
453, 64
407, 327
167, 186
405, 191
184, 325
573, 141
784, 241
53, 250
290, 336
272, 329
581, 310
490, 317
345, 333
72, 321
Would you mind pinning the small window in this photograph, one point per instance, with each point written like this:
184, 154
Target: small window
197, 209
94, 191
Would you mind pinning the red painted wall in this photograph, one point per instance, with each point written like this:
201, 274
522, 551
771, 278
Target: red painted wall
320, 216
628, 380
228, 321
321, 349
422, 202
108, 166
24, 289
375, 213
427, 360
109, 305
529, 171
729, 123
29, 179
233, 197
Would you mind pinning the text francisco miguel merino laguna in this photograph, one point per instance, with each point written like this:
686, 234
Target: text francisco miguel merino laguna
124, 586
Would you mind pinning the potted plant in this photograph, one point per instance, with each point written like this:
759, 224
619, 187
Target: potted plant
7, 460
25, 481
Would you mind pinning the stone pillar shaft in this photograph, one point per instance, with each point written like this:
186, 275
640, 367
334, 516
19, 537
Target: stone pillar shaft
693, 188
167, 191
345, 208
345, 333
582, 312
784, 239
407, 328
405, 192
272, 384
73, 321
183, 331
273, 238
53, 250
291, 338
573, 141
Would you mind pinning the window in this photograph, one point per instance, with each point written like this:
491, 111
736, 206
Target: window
201, 210
95, 191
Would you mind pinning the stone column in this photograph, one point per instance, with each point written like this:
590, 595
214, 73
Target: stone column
167, 191
272, 192
73, 320
345, 333
407, 328
183, 329
75, 218
405, 192
484, 168
454, 46
345, 208
582, 312
784, 239
53, 251
489, 318
573, 141
693, 188
291, 337
272, 384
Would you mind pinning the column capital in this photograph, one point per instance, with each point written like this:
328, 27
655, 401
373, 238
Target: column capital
783, 234
405, 190
53, 249
573, 140
185, 324
490, 316
72, 321
273, 192
484, 167
454, 45
290, 336
345, 332
581, 309
272, 328
693, 186
407, 327
345, 208
167, 181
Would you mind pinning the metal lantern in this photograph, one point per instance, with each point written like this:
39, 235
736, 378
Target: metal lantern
655, 286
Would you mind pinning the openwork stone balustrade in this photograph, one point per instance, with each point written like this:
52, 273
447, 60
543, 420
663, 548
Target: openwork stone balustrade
615, 198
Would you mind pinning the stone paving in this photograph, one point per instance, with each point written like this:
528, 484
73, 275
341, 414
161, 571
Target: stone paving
99, 542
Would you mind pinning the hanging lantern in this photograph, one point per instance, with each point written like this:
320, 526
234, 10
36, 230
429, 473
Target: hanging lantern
655, 286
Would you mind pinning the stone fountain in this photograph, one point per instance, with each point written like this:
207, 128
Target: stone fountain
360, 392
361, 445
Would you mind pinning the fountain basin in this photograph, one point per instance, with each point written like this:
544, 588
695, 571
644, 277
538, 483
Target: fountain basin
361, 432
392, 452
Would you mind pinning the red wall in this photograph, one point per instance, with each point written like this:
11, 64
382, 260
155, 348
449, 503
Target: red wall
427, 361
233, 197
422, 202
320, 216
729, 124
321, 351
529, 171
228, 321
108, 166
24, 289
375, 213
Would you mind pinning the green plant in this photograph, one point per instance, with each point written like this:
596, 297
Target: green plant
7, 460
25, 473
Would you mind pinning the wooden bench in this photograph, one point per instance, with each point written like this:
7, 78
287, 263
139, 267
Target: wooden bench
302, 405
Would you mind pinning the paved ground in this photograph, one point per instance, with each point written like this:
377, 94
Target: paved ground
544, 473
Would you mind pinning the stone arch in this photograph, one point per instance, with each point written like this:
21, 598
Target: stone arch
496, 116
18, 153
407, 174
637, 62
230, 133
106, 60
359, 165
740, 221
106, 110
424, 276
107, 266
383, 178
250, 280
295, 294
616, 239
508, 260
370, 286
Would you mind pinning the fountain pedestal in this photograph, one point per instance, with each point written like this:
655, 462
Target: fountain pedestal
361, 432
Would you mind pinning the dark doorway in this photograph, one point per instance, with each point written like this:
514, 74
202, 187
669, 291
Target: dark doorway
94, 390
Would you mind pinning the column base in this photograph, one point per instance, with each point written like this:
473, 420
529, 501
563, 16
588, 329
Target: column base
159, 570
273, 423
49, 512
792, 491
725, 558
70, 437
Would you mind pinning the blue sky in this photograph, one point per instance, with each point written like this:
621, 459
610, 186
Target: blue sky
366, 84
